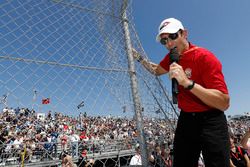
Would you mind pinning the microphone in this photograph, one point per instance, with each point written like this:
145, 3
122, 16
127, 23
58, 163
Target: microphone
174, 57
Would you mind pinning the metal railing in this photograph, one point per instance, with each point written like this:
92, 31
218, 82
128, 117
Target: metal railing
48, 153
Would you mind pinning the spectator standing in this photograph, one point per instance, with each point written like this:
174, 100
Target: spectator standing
74, 139
238, 156
64, 141
67, 160
136, 159
245, 142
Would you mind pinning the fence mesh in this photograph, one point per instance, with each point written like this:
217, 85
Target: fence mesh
69, 57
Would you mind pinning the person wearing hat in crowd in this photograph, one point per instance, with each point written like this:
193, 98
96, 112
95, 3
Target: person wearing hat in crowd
238, 155
203, 97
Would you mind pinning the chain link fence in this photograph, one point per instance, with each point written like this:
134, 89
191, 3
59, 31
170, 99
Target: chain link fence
71, 57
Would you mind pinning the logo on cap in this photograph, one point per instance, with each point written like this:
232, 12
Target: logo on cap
164, 25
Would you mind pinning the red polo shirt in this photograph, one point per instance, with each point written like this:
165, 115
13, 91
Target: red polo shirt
205, 69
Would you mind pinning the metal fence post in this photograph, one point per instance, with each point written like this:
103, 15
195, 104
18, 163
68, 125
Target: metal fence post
134, 87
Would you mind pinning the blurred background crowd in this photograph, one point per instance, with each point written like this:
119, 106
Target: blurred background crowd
47, 135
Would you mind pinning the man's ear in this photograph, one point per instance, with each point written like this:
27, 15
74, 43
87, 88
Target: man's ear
184, 33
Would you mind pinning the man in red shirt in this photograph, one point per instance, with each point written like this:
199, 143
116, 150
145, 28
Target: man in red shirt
203, 98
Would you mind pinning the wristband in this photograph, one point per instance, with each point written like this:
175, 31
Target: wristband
189, 87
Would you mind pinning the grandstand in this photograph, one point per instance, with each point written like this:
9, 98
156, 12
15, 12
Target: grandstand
240, 117
106, 140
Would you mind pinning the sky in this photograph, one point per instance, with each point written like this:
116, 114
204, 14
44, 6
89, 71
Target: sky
220, 26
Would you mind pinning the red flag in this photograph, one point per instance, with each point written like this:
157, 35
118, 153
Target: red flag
46, 101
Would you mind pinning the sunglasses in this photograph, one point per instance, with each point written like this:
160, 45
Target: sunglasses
170, 37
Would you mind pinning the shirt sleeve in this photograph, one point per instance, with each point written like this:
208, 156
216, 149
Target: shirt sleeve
212, 75
165, 62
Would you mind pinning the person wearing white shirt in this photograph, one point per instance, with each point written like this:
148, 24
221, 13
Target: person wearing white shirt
136, 159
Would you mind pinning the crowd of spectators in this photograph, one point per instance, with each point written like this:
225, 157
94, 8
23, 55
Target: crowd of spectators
24, 129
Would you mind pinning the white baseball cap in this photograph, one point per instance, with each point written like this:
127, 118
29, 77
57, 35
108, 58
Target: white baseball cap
170, 25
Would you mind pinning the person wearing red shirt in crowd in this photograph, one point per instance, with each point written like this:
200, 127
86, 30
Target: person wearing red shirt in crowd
238, 155
64, 141
65, 127
83, 136
203, 97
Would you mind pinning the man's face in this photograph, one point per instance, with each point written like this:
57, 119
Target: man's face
173, 40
